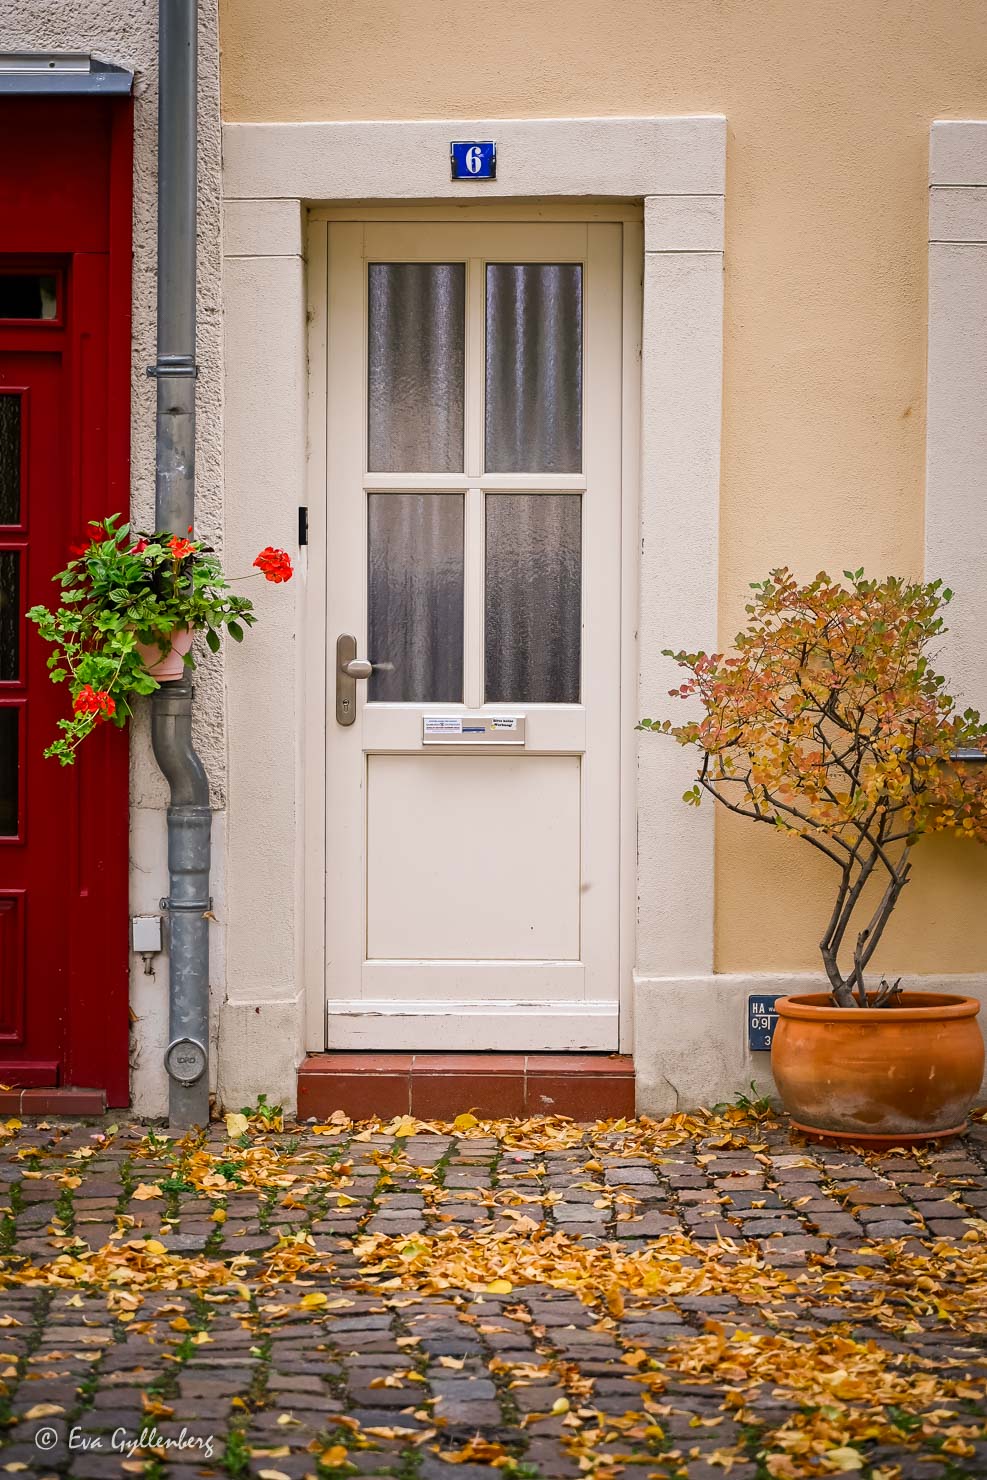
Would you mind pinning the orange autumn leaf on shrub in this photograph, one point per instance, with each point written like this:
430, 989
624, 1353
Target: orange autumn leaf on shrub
828, 722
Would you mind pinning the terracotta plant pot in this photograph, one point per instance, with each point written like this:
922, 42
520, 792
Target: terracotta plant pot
167, 664
891, 1075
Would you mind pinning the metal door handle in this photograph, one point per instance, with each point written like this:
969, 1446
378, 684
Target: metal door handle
348, 669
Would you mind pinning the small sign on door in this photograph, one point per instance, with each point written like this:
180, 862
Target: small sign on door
441, 724
472, 729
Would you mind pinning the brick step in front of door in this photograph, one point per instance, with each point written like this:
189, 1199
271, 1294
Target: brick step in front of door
64, 1100
440, 1086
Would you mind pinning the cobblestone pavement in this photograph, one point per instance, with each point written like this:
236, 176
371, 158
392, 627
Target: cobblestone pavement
700, 1298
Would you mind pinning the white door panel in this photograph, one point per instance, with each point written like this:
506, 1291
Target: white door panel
474, 553
473, 857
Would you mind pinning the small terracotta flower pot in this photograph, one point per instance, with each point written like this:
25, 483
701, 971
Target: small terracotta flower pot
167, 664
891, 1075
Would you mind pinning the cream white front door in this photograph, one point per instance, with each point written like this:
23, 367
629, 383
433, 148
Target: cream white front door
473, 453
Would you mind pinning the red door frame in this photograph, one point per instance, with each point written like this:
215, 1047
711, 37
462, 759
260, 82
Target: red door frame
67, 194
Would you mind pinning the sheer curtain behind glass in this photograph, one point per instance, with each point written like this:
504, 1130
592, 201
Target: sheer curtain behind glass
415, 609
534, 367
417, 347
533, 598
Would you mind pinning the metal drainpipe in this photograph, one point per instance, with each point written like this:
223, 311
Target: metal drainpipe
189, 816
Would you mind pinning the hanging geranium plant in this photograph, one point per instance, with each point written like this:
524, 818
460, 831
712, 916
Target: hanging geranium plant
124, 601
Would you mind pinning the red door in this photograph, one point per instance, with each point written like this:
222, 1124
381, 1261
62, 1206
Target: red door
63, 831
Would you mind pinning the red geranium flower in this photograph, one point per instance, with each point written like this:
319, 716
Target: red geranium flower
139, 548
274, 565
180, 548
94, 701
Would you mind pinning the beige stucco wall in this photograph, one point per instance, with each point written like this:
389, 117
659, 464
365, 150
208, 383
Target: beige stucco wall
828, 109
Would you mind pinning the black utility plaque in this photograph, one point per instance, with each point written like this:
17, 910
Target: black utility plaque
761, 1021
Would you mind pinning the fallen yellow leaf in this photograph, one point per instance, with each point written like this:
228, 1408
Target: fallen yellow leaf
843, 1460
404, 1125
314, 1300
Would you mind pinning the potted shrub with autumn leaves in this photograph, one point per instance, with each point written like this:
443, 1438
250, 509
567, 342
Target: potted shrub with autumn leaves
830, 725
128, 611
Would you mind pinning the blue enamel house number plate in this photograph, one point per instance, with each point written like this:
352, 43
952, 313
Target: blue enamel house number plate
474, 159
761, 1021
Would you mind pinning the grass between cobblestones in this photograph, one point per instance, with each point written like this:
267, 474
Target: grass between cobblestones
705, 1296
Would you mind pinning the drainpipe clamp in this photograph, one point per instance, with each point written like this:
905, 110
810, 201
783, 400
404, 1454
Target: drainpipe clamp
173, 365
193, 906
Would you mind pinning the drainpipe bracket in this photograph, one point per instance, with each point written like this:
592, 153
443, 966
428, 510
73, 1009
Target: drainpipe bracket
173, 365
189, 906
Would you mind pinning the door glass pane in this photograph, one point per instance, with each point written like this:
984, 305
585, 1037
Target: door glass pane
9, 719
417, 350
10, 615
534, 368
28, 295
532, 598
415, 603
10, 459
